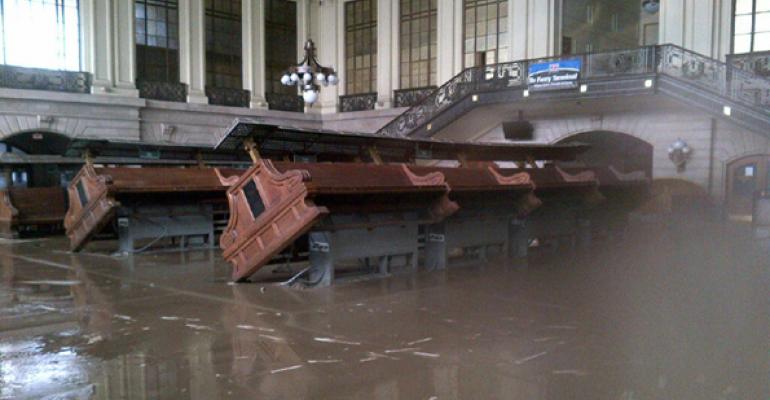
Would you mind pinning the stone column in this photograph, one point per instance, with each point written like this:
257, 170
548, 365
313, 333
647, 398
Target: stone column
192, 49
386, 18
123, 47
104, 23
533, 26
447, 47
330, 45
303, 27
703, 26
253, 23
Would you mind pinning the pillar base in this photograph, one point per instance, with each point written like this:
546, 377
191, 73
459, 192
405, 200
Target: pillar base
197, 98
114, 91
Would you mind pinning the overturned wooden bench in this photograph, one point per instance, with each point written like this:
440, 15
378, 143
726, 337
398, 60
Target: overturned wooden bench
348, 210
143, 203
31, 210
490, 202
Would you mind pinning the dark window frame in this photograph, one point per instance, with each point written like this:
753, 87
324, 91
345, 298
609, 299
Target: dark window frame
281, 35
753, 31
468, 4
148, 68
224, 69
358, 53
425, 65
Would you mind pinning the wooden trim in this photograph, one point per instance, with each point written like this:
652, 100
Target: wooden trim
83, 220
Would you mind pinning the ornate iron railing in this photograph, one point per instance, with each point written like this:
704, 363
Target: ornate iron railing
756, 63
716, 77
167, 91
410, 97
44, 79
285, 102
686, 66
228, 97
358, 102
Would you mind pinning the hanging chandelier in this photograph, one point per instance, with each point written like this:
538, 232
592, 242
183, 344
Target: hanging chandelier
308, 75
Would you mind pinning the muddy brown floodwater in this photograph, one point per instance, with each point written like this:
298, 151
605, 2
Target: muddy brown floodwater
662, 315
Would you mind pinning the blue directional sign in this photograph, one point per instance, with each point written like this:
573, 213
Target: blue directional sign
555, 75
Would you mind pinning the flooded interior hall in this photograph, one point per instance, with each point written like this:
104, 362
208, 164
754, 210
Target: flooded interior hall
658, 316
385, 199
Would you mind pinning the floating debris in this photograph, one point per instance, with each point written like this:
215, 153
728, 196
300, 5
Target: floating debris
427, 339
406, 350
374, 356
254, 328
273, 338
52, 282
422, 354
323, 361
170, 318
575, 372
530, 358
545, 339
199, 327
123, 317
332, 340
293, 367
95, 338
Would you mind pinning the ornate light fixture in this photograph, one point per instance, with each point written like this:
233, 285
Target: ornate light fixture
308, 75
679, 153
651, 6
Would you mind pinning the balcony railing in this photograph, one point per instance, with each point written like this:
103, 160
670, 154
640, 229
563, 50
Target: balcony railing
228, 97
358, 102
285, 102
410, 97
686, 66
166, 91
756, 63
44, 79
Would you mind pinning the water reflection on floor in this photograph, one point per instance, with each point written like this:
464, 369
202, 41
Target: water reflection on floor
662, 315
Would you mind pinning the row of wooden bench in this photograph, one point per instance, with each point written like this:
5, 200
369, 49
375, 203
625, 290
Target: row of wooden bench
346, 210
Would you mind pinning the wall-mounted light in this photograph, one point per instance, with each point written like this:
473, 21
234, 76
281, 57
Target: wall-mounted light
648, 83
679, 153
583, 88
525, 93
651, 6
727, 110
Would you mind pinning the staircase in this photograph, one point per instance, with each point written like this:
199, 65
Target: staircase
721, 89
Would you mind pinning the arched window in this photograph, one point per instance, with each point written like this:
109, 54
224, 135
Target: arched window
40, 34
280, 53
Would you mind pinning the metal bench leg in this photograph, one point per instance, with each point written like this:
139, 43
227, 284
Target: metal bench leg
321, 259
519, 239
384, 265
435, 246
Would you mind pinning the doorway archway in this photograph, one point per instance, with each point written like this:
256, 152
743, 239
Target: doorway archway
624, 152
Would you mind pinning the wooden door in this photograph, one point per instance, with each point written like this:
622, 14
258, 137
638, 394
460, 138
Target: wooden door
745, 177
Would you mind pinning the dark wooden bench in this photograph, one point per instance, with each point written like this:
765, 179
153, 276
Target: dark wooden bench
38, 209
565, 198
490, 204
348, 210
142, 203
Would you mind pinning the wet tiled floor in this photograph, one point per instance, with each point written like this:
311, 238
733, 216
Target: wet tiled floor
661, 315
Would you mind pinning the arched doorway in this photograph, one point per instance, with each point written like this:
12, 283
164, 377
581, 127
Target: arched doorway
38, 171
622, 151
745, 177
